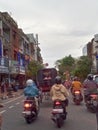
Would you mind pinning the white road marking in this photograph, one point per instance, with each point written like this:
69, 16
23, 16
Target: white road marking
17, 103
2, 111
12, 100
11, 106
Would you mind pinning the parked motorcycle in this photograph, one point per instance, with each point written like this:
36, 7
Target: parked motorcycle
31, 111
91, 102
59, 113
77, 97
1, 106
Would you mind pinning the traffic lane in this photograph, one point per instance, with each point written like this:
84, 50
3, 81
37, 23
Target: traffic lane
11, 103
12, 116
79, 118
13, 119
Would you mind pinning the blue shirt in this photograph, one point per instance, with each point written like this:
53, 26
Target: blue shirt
31, 91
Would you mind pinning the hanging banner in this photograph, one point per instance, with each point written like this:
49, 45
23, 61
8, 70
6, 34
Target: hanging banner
1, 28
0, 48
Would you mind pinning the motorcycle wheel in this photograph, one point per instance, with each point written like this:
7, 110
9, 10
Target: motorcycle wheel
77, 102
59, 122
28, 120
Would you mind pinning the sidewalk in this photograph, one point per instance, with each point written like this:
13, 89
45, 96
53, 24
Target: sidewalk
18, 93
12, 94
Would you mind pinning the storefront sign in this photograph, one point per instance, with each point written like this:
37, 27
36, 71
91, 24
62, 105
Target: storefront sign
4, 69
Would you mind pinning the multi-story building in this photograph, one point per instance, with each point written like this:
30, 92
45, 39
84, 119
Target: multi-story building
91, 50
16, 49
9, 44
36, 51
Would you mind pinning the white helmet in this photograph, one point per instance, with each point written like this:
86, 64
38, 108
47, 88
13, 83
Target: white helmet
29, 82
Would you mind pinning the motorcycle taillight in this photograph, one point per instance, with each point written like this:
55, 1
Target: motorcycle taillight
27, 105
94, 96
57, 103
77, 92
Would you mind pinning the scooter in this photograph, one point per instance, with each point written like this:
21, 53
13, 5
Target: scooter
77, 97
59, 113
91, 102
1, 106
30, 112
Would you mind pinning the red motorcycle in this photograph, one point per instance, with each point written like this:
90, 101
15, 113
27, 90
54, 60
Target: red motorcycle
77, 97
59, 113
30, 112
92, 102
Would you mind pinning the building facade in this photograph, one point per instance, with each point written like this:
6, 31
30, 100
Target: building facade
91, 50
16, 49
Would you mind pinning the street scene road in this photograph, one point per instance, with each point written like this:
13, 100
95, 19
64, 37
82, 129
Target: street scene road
78, 117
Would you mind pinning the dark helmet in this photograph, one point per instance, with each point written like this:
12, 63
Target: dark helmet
75, 78
90, 77
58, 80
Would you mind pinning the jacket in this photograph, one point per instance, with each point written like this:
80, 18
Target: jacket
58, 91
76, 85
31, 91
90, 86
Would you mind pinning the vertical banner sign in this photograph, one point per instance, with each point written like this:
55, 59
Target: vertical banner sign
1, 28
18, 57
0, 48
1, 34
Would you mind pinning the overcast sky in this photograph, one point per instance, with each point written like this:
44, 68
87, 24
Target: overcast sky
63, 26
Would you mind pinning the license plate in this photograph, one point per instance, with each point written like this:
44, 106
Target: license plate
57, 110
77, 97
27, 112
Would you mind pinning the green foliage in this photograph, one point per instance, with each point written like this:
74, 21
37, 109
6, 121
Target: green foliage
77, 67
83, 67
66, 64
33, 67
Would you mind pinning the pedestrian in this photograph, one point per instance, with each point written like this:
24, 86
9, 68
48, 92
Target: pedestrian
67, 84
3, 89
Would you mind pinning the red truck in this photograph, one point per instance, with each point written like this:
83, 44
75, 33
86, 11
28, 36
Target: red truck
46, 78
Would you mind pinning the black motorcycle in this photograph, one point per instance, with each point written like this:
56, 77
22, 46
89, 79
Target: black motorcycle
31, 111
91, 102
77, 97
59, 112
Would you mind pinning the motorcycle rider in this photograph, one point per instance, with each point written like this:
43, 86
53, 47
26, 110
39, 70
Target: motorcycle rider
31, 90
76, 85
90, 86
58, 91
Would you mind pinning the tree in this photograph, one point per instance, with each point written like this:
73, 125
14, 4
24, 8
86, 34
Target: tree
83, 67
65, 64
33, 68
74, 66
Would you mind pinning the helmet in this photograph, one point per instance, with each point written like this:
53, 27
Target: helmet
58, 80
75, 78
90, 77
29, 82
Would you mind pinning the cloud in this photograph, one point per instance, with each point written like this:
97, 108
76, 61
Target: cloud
63, 26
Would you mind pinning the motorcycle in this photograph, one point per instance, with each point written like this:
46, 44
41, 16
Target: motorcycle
31, 111
1, 106
91, 102
77, 97
59, 113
